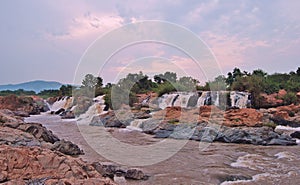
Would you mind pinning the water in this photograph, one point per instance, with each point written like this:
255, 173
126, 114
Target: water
63, 103
266, 164
239, 99
183, 99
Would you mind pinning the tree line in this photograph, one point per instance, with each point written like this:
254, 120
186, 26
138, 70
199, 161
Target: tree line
126, 89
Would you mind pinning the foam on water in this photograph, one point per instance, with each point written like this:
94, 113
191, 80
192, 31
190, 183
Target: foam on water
280, 127
64, 103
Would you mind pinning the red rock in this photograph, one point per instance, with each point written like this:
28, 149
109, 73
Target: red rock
281, 93
21, 163
173, 113
243, 117
282, 114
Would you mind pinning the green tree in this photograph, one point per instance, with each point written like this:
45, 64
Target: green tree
298, 71
89, 81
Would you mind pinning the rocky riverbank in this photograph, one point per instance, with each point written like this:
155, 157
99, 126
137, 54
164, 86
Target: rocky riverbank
210, 124
32, 154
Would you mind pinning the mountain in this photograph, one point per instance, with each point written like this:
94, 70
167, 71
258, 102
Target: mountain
36, 86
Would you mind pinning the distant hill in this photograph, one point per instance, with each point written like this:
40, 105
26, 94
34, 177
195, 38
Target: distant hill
36, 86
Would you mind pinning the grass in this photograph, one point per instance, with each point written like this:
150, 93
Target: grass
270, 124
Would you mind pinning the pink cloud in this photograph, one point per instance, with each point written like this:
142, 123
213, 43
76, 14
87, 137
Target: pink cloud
231, 51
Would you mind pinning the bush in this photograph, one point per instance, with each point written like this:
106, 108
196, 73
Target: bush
270, 124
289, 98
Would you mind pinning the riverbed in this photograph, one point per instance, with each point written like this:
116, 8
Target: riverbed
192, 164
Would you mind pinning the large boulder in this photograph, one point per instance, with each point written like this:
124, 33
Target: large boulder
20, 103
67, 147
25, 165
243, 117
110, 119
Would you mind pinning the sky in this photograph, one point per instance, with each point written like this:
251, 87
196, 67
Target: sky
45, 40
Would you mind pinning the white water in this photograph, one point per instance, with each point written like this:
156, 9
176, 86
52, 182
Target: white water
201, 99
183, 99
65, 103
166, 100
239, 99
94, 110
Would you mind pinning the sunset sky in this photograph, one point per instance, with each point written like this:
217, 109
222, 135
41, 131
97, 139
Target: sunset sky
46, 39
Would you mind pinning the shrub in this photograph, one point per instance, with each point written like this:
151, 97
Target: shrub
289, 98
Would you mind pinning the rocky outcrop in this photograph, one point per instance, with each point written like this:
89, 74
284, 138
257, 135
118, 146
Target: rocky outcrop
210, 133
17, 133
25, 165
296, 135
243, 117
110, 119
24, 104
113, 170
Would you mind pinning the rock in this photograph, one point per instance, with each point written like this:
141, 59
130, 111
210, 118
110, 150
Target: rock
269, 101
296, 135
8, 119
21, 113
112, 170
280, 121
281, 93
96, 121
229, 178
59, 111
20, 103
149, 126
110, 120
282, 115
68, 115
283, 140
172, 113
67, 147
135, 174
162, 133
142, 115
15, 137
25, 165
39, 132
243, 117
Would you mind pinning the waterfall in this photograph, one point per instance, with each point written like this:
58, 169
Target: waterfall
136, 124
202, 99
63, 103
198, 99
146, 100
183, 99
216, 98
239, 99
97, 108
166, 100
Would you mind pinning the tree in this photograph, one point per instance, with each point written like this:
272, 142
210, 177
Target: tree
89, 81
170, 76
298, 71
188, 83
158, 78
65, 90
259, 72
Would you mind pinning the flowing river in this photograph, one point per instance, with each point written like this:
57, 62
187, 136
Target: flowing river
212, 165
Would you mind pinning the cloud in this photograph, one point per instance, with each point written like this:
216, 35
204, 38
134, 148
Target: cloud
88, 25
230, 50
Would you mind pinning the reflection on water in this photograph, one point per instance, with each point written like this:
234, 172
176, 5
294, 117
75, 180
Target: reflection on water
266, 165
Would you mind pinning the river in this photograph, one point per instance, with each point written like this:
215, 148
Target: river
191, 164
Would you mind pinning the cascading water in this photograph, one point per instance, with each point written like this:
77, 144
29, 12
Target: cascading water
166, 100
198, 99
63, 103
202, 99
182, 99
239, 99
95, 109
